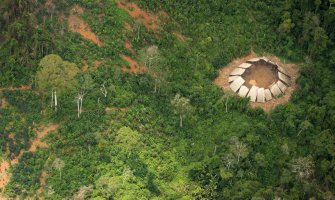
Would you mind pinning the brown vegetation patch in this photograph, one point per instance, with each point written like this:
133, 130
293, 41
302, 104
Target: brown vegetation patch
261, 75
78, 25
94, 67
42, 183
133, 66
4, 165
180, 36
292, 69
128, 27
150, 21
129, 46
11, 88
4, 175
110, 109
3, 103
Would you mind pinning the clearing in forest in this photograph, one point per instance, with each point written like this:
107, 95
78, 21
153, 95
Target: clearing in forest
133, 66
3, 103
260, 75
129, 46
110, 109
22, 88
263, 77
150, 21
78, 25
4, 164
94, 67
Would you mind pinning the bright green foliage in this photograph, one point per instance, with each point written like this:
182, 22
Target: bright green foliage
56, 74
182, 107
126, 144
128, 139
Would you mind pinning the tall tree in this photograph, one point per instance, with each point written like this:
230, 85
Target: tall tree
54, 75
128, 139
154, 61
182, 107
303, 167
238, 149
85, 84
58, 164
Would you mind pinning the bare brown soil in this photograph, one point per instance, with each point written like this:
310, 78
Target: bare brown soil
109, 109
129, 46
150, 21
180, 36
133, 66
94, 67
22, 87
3, 103
128, 27
260, 75
222, 80
4, 165
42, 182
76, 24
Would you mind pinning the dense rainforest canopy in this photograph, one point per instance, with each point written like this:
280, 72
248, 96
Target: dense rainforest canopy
112, 99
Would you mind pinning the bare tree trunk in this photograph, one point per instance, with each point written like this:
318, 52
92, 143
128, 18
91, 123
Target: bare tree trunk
155, 90
181, 121
78, 107
81, 103
227, 104
196, 62
56, 101
52, 98
103, 90
214, 150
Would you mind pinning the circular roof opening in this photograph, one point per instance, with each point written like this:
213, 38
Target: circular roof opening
260, 79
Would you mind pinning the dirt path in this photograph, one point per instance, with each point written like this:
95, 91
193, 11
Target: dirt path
5, 165
260, 76
222, 80
110, 109
180, 36
11, 88
78, 25
129, 46
134, 67
3, 103
94, 67
150, 21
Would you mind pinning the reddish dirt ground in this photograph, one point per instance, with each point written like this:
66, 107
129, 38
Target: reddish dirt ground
42, 183
78, 25
151, 22
129, 46
180, 36
3, 103
94, 67
22, 87
4, 165
128, 27
134, 67
222, 80
110, 109
260, 75
4, 175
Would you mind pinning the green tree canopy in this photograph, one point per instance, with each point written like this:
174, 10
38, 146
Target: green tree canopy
56, 74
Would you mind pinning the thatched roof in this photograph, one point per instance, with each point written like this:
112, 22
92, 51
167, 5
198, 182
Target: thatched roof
237, 83
260, 95
237, 72
253, 93
243, 91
